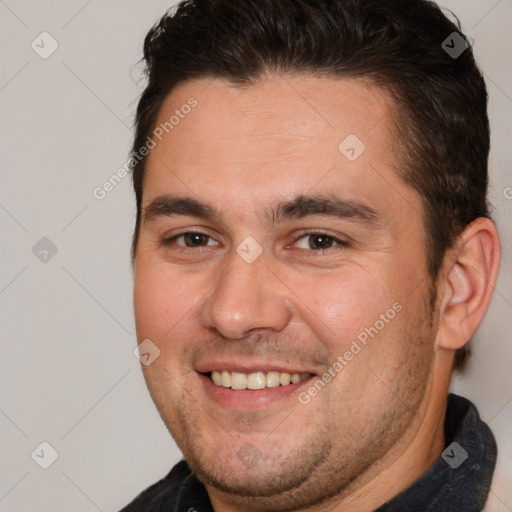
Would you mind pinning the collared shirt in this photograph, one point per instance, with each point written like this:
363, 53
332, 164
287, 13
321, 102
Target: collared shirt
458, 481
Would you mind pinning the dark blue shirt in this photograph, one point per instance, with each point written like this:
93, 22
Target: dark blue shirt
458, 481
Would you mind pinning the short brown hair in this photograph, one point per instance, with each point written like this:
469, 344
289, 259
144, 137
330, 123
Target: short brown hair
441, 118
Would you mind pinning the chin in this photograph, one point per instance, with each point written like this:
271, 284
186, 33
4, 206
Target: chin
253, 467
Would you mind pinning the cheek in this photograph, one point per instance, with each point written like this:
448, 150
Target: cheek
162, 300
164, 311
345, 303
357, 316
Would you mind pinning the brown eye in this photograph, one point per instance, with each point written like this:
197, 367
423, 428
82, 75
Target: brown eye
189, 240
320, 241
195, 239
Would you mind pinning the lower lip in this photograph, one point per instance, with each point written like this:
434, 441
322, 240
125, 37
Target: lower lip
249, 398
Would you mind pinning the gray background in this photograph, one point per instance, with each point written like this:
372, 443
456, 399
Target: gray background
68, 374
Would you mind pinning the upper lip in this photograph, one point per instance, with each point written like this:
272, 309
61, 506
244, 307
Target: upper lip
250, 367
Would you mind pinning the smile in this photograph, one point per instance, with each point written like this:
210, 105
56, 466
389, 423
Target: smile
255, 380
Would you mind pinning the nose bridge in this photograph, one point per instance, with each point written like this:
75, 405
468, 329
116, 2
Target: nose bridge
248, 296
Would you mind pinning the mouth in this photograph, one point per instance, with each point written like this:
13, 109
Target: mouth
256, 390
256, 380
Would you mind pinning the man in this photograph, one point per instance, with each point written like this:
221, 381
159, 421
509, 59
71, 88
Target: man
312, 254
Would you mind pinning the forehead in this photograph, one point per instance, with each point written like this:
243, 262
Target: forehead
286, 116
284, 135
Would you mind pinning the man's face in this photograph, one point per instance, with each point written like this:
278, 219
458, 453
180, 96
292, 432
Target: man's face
338, 276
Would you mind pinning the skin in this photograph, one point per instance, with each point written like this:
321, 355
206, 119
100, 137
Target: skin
378, 425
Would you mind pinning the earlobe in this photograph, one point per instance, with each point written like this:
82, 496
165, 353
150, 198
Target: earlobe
470, 277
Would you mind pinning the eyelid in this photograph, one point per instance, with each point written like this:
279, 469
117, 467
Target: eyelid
167, 240
341, 242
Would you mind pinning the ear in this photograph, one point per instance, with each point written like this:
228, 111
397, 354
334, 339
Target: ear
470, 273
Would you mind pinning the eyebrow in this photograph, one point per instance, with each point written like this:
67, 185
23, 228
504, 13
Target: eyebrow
326, 205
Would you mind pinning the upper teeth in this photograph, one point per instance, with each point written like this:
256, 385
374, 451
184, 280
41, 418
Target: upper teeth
258, 380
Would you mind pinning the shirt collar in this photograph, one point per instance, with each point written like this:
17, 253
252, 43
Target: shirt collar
461, 477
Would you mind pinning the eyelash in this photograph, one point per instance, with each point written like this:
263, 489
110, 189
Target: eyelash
341, 244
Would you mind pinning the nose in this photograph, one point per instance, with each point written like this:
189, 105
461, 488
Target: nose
247, 296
